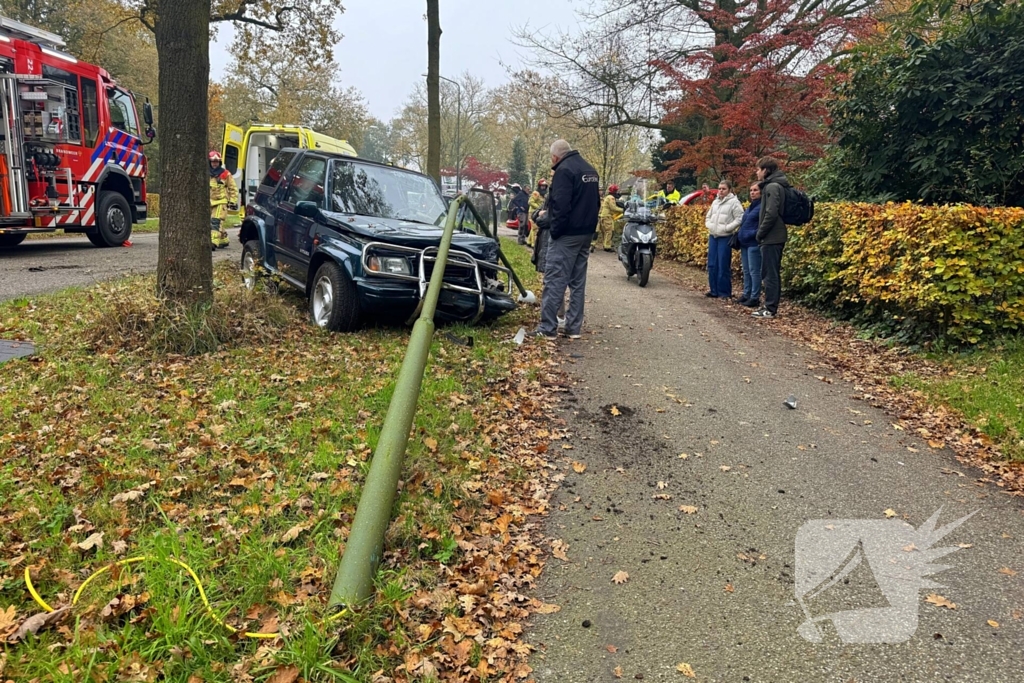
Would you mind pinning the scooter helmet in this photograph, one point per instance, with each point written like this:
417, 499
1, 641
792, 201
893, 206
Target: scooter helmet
613, 189
214, 155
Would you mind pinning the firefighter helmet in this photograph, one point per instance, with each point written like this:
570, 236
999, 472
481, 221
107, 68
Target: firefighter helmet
613, 189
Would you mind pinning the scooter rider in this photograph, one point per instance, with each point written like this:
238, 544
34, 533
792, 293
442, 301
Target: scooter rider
223, 197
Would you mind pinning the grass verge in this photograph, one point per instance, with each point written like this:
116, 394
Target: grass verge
247, 463
987, 387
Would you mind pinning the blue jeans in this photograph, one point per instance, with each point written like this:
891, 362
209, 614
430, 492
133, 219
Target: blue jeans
751, 257
719, 266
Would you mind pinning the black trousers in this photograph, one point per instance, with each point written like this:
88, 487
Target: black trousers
771, 267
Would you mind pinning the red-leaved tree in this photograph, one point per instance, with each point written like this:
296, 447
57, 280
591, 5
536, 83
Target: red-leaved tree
759, 89
725, 81
481, 174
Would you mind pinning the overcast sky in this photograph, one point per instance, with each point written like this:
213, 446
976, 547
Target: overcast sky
384, 49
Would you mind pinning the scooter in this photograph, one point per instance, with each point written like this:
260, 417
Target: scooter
639, 244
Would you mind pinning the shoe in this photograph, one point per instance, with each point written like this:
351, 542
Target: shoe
710, 295
752, 303
742, 301
544, 335
763, 313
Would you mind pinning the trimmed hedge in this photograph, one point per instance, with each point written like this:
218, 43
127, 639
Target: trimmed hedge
921, 273
153, 205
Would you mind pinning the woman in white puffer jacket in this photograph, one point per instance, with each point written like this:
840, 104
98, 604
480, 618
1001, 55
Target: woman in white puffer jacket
722, 220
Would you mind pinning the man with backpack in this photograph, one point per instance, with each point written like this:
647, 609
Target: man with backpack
781, 204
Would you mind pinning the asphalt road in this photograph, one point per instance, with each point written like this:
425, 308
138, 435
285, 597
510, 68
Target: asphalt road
714, 587
47, 265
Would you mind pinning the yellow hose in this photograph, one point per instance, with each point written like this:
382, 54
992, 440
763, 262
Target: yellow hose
195, 578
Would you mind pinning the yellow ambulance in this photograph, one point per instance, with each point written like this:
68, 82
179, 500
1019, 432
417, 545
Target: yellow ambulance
247, 153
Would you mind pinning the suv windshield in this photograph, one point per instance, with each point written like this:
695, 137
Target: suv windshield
385, 193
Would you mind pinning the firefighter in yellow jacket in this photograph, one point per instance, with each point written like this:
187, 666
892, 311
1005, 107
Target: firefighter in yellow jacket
610, 212
536, 201
223, 197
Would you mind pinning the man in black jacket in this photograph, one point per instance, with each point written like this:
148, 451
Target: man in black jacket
771, 233
519, 206
573, 204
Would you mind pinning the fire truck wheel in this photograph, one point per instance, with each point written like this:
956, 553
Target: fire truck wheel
113, 220
7, 241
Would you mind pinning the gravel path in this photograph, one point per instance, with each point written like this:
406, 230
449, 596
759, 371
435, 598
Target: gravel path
713, 585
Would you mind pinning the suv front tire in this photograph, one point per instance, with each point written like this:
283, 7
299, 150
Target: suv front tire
333, 301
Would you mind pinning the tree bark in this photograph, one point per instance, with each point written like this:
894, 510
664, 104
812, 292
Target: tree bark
434, 90
185, 265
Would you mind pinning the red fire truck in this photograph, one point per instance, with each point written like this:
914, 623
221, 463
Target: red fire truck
71, 153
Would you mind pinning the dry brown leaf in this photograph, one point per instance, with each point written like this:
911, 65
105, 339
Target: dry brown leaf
729, 588
662, 486
686, 670
890, 513
94, 542
547, 608
909, 548
615, 411
993, 624
1007, 571
688, 509
38, 621
579, 467
617, 672
684, 456
611, 648
620, 578
558, 549
292, 533
431, 444
285, 674
940, 601
725, 468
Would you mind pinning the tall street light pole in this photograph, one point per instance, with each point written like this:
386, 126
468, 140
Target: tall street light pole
458, 136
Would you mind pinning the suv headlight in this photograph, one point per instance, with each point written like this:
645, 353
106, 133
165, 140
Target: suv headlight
394, 265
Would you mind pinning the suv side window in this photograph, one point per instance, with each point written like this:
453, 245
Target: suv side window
307, 184
276, 170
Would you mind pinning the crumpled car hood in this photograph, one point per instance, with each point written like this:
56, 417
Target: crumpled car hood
416, 235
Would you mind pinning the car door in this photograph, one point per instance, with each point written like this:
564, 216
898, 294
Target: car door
268, 197
305, 185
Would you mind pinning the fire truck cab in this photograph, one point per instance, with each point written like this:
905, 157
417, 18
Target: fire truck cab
71, 143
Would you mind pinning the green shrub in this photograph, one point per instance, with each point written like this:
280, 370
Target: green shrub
953, 274
153, 204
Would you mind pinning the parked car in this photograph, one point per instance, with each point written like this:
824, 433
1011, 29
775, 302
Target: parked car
360, 239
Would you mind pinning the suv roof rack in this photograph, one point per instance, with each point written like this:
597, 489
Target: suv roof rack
22, 31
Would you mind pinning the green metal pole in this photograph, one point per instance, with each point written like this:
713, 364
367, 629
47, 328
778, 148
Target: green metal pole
354, 583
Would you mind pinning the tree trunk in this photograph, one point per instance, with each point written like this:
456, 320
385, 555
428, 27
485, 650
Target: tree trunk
185, 265
434, 90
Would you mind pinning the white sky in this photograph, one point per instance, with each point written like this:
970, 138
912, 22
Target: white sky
384, 49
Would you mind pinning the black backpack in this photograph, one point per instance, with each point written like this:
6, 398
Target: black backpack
797, 207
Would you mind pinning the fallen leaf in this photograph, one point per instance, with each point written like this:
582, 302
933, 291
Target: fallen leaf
94, 542
579, 467
292, 533
909, 548
684, 456
940, 601
615, 411
1007, 571
993, 624
38, 621
964, 545
688, 509
431, 444
285, 674
618, 672
547, 608
662, 496
729, 588
686, 670
613, 649
558, 549
7, 620
890, 513
620, 578
936, 444
725, 468
662, 486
